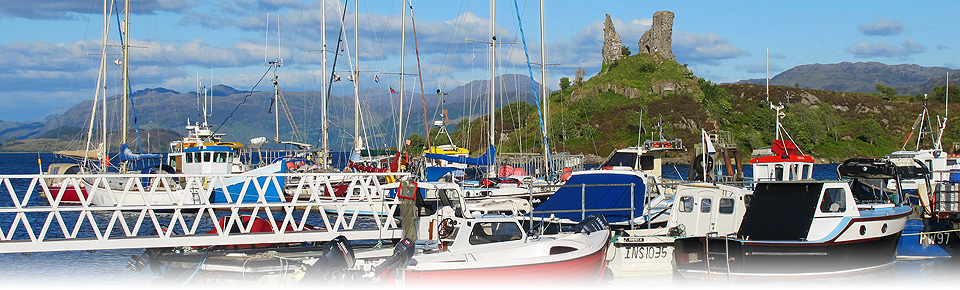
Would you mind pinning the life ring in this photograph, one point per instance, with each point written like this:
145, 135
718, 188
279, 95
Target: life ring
667, 145
657, 144
505, 170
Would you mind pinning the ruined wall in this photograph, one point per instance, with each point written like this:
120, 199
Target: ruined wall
611, 42
659, 39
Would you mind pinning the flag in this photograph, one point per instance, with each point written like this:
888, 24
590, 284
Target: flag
350, 77
708, 146
392, 91
376, 79
336, 77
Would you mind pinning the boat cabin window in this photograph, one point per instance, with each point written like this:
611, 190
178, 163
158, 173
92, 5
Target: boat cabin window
495, 232
833, 200
687, 204
207, 156
705, 205
220, 157
621, 159
726, 205
189, 157
778, 172
806, 171
197, 156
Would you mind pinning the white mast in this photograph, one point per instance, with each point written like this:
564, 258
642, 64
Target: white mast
324, 153
543, 91
493, 77
358, 144
403, 45
768, 74
101, 86
125, 30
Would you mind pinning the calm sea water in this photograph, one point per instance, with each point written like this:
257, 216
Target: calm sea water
90, 269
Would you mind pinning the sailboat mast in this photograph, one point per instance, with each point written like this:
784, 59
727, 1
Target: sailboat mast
356, 76
101, 82
543, 90
125, 29
403, 45
325, 151
493, 77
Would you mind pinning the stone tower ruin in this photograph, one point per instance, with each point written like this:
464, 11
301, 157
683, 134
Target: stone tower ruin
659, 38
612, 43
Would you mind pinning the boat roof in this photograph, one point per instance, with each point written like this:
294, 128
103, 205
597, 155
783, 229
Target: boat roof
783, 158
209, 149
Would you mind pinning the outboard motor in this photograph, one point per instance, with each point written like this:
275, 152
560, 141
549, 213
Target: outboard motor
593, 223
402, 253
337, 258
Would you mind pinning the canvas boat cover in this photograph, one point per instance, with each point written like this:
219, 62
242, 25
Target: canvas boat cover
785, 147
597, 197
780, 211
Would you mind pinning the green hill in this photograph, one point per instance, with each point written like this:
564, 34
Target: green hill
603, 113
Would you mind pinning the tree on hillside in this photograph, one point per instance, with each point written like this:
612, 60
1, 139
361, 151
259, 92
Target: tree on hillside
564, 83
578, 77
869, 130
886, 91
940, 91
624, 50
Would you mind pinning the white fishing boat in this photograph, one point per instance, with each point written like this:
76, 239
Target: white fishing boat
808, 228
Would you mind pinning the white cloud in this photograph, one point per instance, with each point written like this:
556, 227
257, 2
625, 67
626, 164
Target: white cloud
704, 48
865, 49
882, 27
759, 68
66, 9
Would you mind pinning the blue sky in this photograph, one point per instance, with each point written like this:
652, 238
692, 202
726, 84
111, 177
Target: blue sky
48, 46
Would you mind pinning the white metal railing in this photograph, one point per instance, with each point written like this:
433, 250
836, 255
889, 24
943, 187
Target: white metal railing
169, 210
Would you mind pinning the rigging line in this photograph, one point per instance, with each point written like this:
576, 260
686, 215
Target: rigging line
416, 48
242, 102
458, 27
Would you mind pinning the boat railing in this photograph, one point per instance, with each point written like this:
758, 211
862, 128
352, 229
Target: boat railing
33, 218
583, 210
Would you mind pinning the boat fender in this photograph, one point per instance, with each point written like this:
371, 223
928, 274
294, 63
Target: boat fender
566, 173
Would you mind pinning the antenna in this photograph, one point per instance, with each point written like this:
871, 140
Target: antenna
768, 74
266, 38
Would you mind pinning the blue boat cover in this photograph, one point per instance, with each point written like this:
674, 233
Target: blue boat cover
435, 173
483, 160
596, 197
127, 155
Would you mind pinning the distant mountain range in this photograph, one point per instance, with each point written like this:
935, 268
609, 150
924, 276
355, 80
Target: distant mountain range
246, 115
862, 77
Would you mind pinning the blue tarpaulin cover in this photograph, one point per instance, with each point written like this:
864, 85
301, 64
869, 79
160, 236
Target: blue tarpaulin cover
597, 197
126, 154
434, 173
483, 160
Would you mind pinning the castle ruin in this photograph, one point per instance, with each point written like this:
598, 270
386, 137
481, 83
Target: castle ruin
612, 44
659, 38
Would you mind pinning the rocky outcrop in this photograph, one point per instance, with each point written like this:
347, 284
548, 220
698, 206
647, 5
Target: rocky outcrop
612, 43
659, 39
